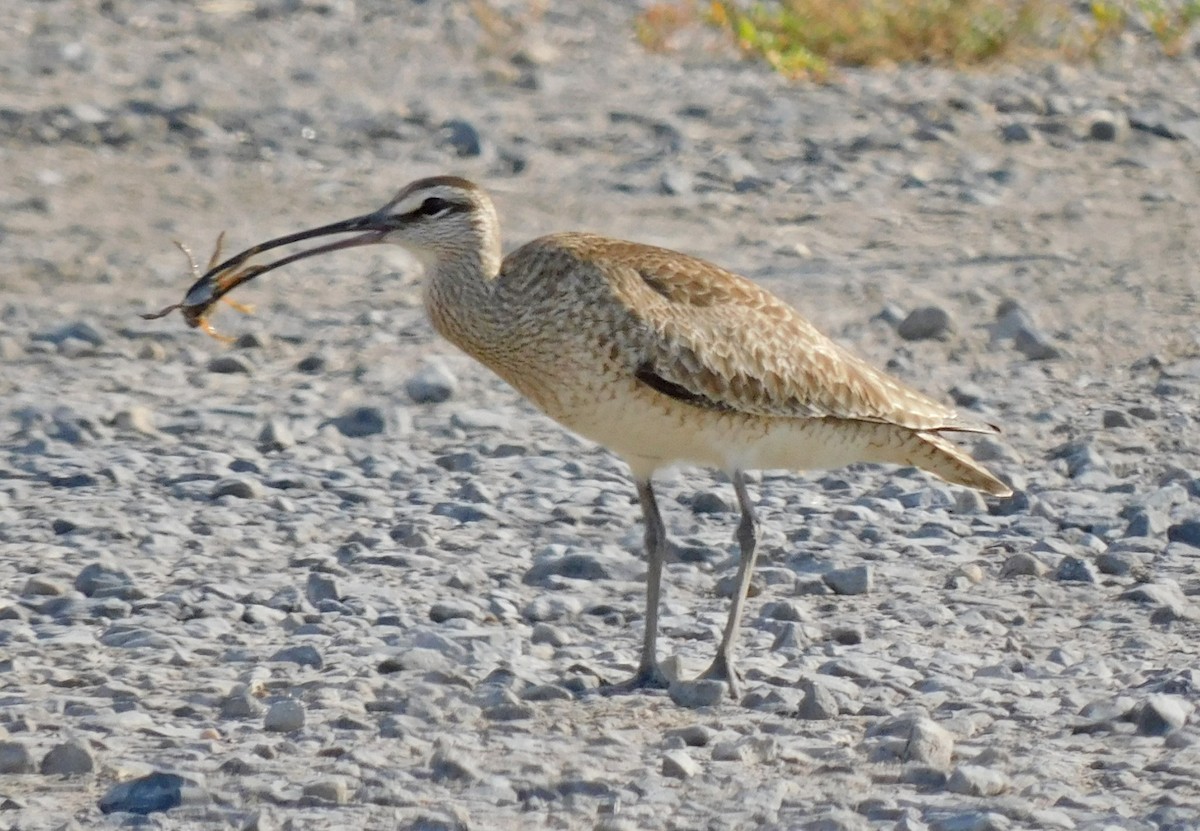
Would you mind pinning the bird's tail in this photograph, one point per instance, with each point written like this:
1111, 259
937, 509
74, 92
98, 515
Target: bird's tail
946, 460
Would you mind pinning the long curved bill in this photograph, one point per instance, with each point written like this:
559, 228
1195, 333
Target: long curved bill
224, 277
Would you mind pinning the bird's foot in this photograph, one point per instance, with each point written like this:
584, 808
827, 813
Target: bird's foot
649, 677
722, 669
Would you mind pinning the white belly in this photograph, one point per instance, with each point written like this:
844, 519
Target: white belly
651, 431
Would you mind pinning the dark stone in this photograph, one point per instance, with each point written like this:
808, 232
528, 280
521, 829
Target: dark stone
154, 792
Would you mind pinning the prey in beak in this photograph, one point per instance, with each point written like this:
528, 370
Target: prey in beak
223, 277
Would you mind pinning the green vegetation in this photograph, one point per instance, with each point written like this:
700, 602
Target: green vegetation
809, 38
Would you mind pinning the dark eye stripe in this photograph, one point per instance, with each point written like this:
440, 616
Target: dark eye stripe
436, 206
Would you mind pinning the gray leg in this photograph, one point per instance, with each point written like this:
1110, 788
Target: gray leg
722, 668
649, 674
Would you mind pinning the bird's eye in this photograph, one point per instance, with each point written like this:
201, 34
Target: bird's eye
433, 206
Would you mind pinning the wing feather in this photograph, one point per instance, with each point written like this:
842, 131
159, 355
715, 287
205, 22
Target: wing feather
709, 337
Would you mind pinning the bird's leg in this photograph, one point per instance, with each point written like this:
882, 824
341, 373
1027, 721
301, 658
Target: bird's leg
649, 674
722, 668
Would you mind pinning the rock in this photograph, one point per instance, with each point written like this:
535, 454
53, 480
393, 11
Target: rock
1014, 324
710, 502
432, 384
79, 330
305, 655
1115, 419
1016, 133
150, 793
1187, 532
819, 703
463, 137
928, 743
15, 757
701, 692
1023, 564
692, 735
318, 587
850, 581
1166, 594
1162, 714
312, 364
68, 759
359, 422
231, 365
284, 716
1075, 570
480, 419
241, 703
678, 764
275, 435
976, 780
102, 580
448, 764
137, 420
675, 181
453, 610
1145, 521
332, 790
552, 562
240, 487
1104, 125
41, 586
925, 323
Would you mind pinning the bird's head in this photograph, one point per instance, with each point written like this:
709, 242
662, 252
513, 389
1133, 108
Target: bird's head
440, 220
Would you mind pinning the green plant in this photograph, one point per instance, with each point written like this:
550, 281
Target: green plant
810, 38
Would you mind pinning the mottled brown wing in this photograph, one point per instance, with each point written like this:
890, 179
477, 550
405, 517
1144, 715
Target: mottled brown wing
709, 337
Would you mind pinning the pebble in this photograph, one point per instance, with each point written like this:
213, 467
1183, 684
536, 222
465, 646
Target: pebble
850, 581
241, 703
284, 716
1075, 570
1023, 564
68, 759
240, 487
15, 757
318, 587
925, 323
137, 420
84, 331
1014, 324
305, 655
448, 764
359, 422
1105, 125
678, 764
1016, 132
1187, 532
276, 435
332, 791
976, 780
145, 795
463, 137
819, 703
232, 364
1162, 714
103, 580
700, 692
432, 384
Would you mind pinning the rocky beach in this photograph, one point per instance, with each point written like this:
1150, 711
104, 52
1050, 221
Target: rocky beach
336, 575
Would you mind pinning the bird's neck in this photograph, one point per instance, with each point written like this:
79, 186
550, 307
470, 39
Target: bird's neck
459, 289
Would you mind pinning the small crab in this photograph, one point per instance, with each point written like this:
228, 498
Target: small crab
223, 277
198, 302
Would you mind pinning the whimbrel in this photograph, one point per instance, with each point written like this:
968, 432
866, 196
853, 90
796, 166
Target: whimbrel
660, 357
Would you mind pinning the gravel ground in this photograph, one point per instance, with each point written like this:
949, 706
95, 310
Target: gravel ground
338, 576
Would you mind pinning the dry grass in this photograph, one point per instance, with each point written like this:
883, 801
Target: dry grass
810, 38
